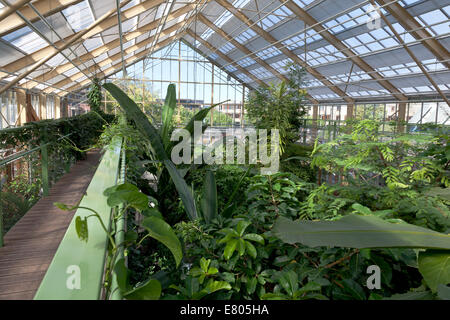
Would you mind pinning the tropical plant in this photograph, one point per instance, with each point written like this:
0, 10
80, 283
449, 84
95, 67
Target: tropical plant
161, 144
127, 196
95, 95
279, 106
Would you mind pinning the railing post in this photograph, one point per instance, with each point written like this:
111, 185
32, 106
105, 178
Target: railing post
1, 218
44, 165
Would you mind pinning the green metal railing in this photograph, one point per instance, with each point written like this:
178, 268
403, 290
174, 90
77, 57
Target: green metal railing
77, 269
43, 149
115, 293
327, 130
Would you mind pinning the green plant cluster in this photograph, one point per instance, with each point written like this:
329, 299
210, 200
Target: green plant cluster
241, 256
248, 236
20, 194
95, 95
279, 106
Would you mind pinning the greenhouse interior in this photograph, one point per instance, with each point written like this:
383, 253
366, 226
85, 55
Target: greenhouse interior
224, 150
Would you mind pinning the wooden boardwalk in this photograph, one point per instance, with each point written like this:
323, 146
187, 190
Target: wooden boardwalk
31, 244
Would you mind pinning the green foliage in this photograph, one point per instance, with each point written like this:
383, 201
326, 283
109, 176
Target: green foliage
156, 141
209, 203
358, 231
237, 240
296, 159
127, 196
95, 95
279, 106
237, 252
434, 265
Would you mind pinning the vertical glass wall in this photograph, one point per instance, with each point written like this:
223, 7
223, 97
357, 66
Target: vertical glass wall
199, 84
50, 107
330, 117
8, 109
35, 104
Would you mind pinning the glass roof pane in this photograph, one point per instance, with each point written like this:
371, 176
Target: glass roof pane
79, 16
26, 40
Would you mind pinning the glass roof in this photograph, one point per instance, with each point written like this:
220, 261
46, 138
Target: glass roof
331, 38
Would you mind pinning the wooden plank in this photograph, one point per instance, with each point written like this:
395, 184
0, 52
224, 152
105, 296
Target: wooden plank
32, 242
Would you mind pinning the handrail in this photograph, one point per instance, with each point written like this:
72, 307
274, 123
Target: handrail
22, 154
44, 171
77, 269
115, 293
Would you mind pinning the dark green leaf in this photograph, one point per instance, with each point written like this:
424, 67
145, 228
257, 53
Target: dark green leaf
356, 231
81, 227
151, 290
209, 199
434, 265
161, 231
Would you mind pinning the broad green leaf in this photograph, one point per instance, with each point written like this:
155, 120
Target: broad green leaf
355, 231
353, 288
81, 227
310, 286
121, 273
214, 286
361, 209
289, 282
161, 231
183, 190
241, 226
434, 265
196, 272
134, 112
170, 103
423, 295
274, 296
63, 206
241, 247
152, 212
251, 250
229, 249
151, 290
126, 193
227, 238
251, 285
254, 237
212, 271
209, 198
204, 264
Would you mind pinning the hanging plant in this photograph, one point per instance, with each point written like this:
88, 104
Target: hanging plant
95, 95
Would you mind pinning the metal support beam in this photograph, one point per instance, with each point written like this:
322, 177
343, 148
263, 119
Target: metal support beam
105, 22
308, 19
413, 56
269, 38
225, 57
111, 59
119, 22
107, 47
241, 47
113, 69
10, 9
11, 21
56, 51
417, 31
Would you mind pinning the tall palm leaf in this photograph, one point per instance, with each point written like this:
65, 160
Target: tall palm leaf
151, 133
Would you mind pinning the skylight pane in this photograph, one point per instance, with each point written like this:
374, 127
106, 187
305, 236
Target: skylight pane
79, 16
26, 40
